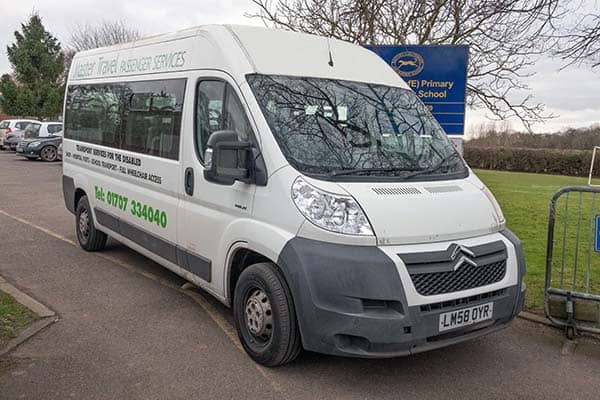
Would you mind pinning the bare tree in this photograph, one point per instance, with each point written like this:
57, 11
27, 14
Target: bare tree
107, 33
506, 37
87, 37
581, 43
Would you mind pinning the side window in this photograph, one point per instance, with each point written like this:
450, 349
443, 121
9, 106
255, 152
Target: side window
209, 112
235, 116
32, 130
144, 117
53, 128
218, 108
153, 118
93, 114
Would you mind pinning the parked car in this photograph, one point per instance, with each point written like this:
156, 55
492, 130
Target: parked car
11, 140
42, 129
7, 126
31, 130
34, 130
60, 151
45, 148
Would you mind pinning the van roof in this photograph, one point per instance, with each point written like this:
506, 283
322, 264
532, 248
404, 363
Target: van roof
238, 50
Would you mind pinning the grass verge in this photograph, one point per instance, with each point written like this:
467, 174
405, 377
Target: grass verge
525, 200
13, 318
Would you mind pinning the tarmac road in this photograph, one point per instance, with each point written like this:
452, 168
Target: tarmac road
126, 331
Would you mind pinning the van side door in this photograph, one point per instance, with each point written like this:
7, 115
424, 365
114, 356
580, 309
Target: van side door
207, 208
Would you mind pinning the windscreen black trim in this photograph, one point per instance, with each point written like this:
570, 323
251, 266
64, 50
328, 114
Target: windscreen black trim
382, 178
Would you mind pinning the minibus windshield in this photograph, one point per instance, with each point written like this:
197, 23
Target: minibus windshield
336, 128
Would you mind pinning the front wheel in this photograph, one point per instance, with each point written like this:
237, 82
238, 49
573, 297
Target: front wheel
90, 239
48, 153
264, 315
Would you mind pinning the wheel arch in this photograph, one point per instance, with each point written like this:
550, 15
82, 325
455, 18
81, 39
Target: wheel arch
79, 193
80, 187
241, 257
246, 242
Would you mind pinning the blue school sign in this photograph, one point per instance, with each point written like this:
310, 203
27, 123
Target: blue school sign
597, 234
437, 74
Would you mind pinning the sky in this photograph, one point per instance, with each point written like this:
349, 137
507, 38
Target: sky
572, 94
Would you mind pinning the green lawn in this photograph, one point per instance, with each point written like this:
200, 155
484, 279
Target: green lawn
13, 318
525, 200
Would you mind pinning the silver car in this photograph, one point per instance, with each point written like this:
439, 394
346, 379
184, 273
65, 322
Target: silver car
12, 139
7, 126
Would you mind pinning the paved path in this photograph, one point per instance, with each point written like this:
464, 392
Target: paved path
127, 332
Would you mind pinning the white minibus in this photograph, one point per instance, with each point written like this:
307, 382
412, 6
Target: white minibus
295, 178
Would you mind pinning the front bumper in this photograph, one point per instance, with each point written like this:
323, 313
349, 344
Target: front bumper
11, 145
28, 151
350, 301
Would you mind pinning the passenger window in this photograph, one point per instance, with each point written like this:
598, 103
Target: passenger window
143, 117
93, 114
218, 108
209, 112
54, 128
235, 117
153, 118
32, 131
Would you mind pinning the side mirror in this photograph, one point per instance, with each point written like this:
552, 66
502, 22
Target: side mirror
227, 159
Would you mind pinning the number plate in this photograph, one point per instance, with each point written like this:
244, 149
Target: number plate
466, 316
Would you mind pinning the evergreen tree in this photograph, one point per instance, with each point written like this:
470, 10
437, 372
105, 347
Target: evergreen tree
35, 88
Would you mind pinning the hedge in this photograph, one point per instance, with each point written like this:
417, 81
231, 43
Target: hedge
546, 161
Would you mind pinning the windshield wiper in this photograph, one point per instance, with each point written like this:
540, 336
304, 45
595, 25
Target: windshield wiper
434, 168
365, 170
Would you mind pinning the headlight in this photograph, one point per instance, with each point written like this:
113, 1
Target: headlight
334, 212
34, 144
497, 209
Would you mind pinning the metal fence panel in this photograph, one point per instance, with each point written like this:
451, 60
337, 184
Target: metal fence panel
572, 287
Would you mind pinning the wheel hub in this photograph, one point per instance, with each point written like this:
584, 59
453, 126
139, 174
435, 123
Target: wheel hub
84, 223
259, 316
49, 153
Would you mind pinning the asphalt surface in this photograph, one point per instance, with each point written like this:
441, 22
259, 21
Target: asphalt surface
126, 332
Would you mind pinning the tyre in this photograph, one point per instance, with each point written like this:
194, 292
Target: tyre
48, 153
264, 315
90, 238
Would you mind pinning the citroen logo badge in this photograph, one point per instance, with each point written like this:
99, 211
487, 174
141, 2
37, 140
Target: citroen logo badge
460, 255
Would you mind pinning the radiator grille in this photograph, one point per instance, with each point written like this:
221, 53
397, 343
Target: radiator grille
449, 304
466, 276
456, 268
